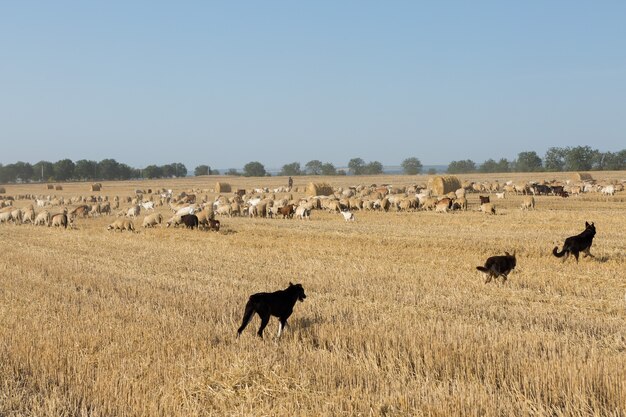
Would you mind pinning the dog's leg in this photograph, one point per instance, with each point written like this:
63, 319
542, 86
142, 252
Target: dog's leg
587, 252
281, 326
264, 320
565, 257
576, 256
488, 280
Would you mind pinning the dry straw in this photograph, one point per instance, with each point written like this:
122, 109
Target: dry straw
222, 187
581, 176
441, 185
96, 186
319, 188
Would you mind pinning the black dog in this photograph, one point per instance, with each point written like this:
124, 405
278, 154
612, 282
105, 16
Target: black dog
498, 266
279, 304
576, 244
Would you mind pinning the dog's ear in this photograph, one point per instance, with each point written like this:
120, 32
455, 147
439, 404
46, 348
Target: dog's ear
587, 224
290, 284
514, 254
507, 254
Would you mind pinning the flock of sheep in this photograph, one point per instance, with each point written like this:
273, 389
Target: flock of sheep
194, 208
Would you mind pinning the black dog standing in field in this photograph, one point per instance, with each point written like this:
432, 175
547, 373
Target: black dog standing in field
498, 266
279, 304
576, 244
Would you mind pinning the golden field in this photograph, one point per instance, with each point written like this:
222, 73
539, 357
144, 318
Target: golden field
397, 320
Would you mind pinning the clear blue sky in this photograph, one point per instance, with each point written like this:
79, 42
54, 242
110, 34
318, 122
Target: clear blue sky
225, 83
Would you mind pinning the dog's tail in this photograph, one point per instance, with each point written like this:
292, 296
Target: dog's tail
556, 252
247, 315
482, 269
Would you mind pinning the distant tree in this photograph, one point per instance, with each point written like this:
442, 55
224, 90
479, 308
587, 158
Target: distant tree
108, 169
356, 166
610, 161
168, 170
341, 172
214, 172
314, 167
461, 167
528, 162
554, 160
152, 171
23, 170
254, 169
43, 171
412, 166
373, 168
291, 169
504, 165
180, 170
488, 166
85, 170
432, 171
328, 169
125, 172
201, 170
8, 174
232, 171
64, 169
579, 158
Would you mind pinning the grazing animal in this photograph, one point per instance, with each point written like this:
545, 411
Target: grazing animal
501, 195
59, 220
348, 216
287, 211
190, 221
152, 220
483, 199
576, 244
214, 225
121, 225
498, 266
488, 208
528, 203
278, 304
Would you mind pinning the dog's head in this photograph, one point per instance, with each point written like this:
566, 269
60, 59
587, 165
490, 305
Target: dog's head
297, 288
511, 258
591, 227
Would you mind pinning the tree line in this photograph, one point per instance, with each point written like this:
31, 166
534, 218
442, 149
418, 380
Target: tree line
85, 170
578, 158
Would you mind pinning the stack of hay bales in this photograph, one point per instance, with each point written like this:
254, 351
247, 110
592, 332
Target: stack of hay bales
50, 186
319, 188
222, 187
443, 184
96, 186
58, 187
581, 176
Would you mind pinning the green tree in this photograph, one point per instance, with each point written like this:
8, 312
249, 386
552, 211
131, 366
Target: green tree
291, 169
614, 161
504, 165
328, 169
108, 169
412, 166
180, 170
579, 158
85, 170
488, 166
432, 171
528, 162
201, 170
314, 167
64, 169
152, 171
461, 167
373, 168
232, 171
554, 160
125, 172
356, 166
43, 171
254, 169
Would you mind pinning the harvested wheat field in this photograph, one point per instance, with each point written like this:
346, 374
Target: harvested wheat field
397, 320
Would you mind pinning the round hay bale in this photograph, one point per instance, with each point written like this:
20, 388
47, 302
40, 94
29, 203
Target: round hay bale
443, 184
2, 190
96, 186
222, 187
319, 188
58, 187
581, 176
50, 187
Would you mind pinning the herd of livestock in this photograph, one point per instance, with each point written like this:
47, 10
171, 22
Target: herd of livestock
194, 209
